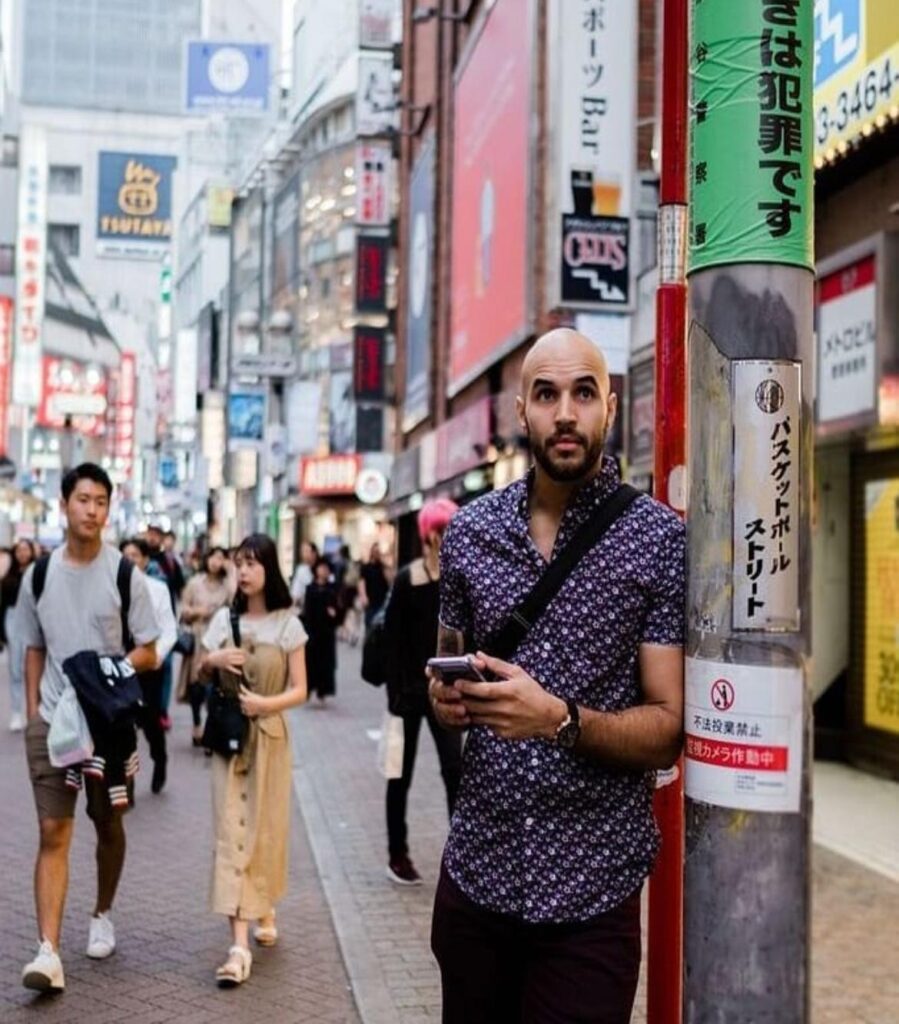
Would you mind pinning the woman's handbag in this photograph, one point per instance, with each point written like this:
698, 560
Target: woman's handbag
226, 726
186, 642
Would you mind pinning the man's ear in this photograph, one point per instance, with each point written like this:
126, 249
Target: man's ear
613, 411
519, 412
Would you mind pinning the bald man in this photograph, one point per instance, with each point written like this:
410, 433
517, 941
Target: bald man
537, 913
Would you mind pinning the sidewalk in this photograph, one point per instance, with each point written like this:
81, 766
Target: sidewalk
384, 930
169, 944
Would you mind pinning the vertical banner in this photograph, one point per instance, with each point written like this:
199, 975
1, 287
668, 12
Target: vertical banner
371, 273
6, 334
31, 265
375, 98
368, 364
492, 199
304, 403
342, 413
419, 287
373, 184
751, 122
369, 428
124, 418
593, 99
286, 238
767, 429
376, 24
186, 377
881, 664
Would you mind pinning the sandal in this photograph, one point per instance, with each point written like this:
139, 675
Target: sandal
266, 934
236, 969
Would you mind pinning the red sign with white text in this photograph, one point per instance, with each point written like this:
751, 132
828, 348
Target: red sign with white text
6, 332
124, 409
329, 475
72, 390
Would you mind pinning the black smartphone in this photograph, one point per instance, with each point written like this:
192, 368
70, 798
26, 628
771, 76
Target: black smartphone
449, 669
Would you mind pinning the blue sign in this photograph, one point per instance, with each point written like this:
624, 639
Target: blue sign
246, 418
134, 202
837, 36
231, 77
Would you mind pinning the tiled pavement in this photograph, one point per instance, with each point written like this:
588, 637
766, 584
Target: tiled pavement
169, 944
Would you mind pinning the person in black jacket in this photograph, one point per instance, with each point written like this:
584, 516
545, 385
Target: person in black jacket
321, 619
410, 624
23, 555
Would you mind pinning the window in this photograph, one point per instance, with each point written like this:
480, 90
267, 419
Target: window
66, 237
10, 153
64, 180
7, 260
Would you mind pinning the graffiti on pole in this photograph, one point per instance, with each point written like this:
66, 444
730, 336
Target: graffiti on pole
751, 122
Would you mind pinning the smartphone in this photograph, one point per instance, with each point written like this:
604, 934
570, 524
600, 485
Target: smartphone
448, 670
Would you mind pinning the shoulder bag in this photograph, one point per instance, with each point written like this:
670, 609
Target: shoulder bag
226, 726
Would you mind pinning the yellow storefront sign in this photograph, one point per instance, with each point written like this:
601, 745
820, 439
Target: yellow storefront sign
881, 667
856, 71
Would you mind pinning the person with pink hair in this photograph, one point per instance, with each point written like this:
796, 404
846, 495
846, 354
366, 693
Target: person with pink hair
410, 625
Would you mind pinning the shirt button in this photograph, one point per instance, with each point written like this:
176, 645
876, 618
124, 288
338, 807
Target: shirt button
535, 763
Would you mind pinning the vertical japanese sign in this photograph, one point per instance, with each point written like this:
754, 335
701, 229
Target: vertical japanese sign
373, 165
376, 24
371, 273
31, 265
593, 98
368, 364
6, 333
743, 727
767, 428
375, 98
125, 409
881, 665
751, 122
419, 302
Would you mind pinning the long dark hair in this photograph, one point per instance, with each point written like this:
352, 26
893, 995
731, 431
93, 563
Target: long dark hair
276, 593
204, 564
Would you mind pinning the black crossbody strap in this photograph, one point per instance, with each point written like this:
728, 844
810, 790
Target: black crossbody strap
235, 625
505, 642
123, 584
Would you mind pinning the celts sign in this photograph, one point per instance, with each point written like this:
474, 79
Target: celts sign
134, 203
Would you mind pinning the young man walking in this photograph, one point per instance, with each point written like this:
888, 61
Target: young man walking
537, 913
79, 608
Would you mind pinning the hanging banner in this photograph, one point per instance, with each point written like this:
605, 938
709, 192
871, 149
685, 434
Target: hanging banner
369, 428
419, 259
227, 77
134, 204
342, 414
856, 69
124, 406
31, 266
743, 727
376, 24
371, 273
593, 99
304, 403
751, 134
6, 336
369, 345
246, 419
373, 166
375, 98
286, 239
881, 663
767, 431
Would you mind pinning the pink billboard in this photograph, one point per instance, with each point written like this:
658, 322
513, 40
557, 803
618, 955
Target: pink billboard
492, 176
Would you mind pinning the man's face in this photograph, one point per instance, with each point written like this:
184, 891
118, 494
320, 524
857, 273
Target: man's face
567, 413
87, 510
154, 539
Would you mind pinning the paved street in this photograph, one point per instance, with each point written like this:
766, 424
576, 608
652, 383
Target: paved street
170, 945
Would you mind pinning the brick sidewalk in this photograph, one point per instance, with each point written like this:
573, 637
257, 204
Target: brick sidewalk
384, 930
169, 944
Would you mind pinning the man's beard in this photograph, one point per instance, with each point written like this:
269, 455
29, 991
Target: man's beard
570, 470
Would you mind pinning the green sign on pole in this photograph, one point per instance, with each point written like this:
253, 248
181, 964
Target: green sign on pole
751, 133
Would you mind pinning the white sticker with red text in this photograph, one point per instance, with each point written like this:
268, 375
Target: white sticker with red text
743, 727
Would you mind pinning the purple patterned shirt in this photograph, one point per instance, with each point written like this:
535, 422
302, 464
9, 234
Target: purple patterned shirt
541, 833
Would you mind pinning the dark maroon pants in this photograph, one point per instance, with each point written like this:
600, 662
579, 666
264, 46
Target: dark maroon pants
499, 970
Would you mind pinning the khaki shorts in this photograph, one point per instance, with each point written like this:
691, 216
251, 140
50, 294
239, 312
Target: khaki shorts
52, 797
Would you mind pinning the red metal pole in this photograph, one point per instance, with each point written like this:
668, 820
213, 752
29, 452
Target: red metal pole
666, 887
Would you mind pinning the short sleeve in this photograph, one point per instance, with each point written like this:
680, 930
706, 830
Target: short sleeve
26, 621
219, 630
142, 622
455, 609
293, 635
664, 623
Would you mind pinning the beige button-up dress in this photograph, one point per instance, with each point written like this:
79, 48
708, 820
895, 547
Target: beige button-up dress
251, 792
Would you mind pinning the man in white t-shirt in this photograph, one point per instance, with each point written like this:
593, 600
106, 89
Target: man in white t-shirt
78, 608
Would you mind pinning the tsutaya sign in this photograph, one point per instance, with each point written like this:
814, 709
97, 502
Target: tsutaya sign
767, 427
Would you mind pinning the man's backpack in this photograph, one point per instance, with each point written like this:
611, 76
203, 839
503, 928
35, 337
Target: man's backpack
123, 583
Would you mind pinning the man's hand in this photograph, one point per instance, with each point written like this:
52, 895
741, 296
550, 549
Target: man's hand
517, 708
446, 701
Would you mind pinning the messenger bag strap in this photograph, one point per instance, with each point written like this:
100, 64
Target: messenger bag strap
506, 640
235, 625
123, 584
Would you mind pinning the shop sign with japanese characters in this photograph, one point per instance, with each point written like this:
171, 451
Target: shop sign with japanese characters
593, 99
6, 333
31, 265
373, 165
743, 726
375, 98
751, 133
767, 431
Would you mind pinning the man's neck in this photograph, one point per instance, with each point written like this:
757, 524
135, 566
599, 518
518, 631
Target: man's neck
551, 497
82, 551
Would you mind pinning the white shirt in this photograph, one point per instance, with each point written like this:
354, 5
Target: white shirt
168, 628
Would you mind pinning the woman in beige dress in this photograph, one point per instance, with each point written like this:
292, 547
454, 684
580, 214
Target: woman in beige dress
251, 791
204, 594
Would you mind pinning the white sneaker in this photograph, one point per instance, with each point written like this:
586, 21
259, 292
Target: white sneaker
16, 723
44, 973
101, 941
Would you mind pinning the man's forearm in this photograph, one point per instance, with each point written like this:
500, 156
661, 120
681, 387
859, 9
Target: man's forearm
648, 736
34, 669
143, 659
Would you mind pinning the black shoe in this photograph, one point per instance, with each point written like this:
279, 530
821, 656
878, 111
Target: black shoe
401, 871
158, 780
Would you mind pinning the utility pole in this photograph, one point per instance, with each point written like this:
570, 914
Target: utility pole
664, 991
747, 715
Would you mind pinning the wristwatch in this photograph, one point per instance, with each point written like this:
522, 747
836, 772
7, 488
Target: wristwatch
569, 729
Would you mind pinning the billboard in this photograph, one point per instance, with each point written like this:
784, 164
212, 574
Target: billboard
593, 104
134, 204
227, 77
286, 237
419, 284
856, 69
31, 265
491, 243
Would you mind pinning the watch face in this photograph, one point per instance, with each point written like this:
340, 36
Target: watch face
568, 734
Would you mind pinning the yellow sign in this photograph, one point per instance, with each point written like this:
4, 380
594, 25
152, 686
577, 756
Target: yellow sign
881, 668
856, 71
218, 205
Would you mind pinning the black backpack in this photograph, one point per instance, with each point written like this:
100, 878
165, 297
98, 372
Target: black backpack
123, 583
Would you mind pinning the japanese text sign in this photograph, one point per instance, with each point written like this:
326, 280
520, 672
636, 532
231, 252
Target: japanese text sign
751, 133
371, 273
373, 165
881, 644
767, 432
31, 265
368, 364
6, 332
